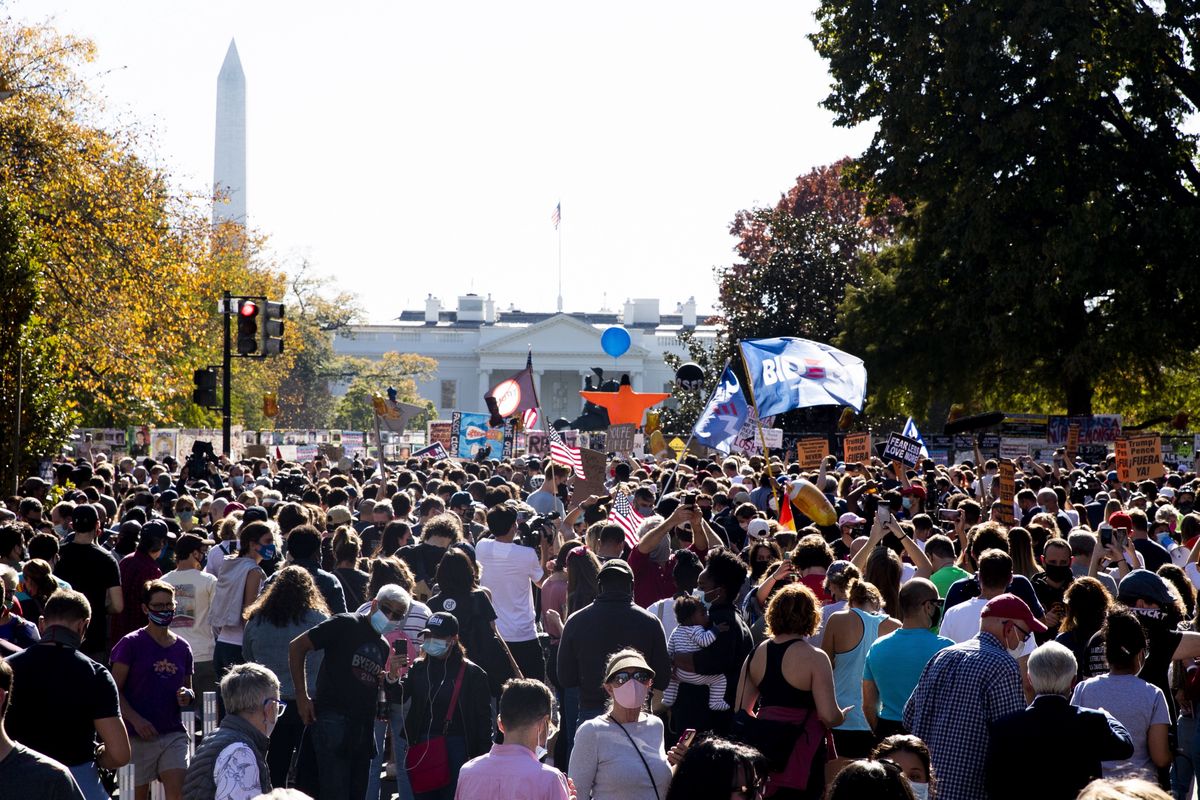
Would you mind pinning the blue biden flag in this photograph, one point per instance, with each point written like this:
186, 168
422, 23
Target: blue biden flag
787, 373
723, 417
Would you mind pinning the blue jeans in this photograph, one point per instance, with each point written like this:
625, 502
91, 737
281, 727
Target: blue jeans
456, 749
89, 781
1183, 771
399, 749
344, 750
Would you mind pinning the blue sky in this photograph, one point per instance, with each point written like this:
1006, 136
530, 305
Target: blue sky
409, 148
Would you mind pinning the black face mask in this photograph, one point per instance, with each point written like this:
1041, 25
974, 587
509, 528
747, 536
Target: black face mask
1185, 508
1058, 572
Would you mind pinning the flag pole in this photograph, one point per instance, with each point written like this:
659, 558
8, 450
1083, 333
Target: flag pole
558, 228
671, 480
758, 424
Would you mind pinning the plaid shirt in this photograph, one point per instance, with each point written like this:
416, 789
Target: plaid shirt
962, 689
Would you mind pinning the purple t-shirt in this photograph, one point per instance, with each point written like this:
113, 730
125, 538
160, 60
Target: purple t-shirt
155, 675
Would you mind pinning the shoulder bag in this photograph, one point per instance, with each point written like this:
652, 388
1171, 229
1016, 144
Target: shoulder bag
428, 762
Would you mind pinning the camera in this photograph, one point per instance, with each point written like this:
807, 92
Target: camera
197, 463
538, 529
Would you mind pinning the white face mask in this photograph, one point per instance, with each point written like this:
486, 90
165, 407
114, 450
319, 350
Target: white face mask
921, 790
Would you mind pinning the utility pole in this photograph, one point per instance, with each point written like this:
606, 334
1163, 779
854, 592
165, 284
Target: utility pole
226, 379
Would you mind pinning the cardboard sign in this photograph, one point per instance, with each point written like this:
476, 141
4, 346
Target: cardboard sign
436, 451
903, 449
1139, 459
810, 452
620, 438
594, 463
773, 437
1008, 491
254, 451
1072, 439
537, 443
857, 448
439, 431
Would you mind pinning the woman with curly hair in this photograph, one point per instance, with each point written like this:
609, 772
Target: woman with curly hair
290, 606
1087, 603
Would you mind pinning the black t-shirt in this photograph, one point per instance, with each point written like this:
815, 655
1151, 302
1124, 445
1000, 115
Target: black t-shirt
92, 570
1154, 553
59, 692
423, 559
31, 776
355, 654
354, 585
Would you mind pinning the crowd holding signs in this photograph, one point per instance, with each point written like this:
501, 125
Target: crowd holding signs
859, 614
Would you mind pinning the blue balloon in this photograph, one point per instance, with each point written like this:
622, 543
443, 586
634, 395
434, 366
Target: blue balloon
615, 341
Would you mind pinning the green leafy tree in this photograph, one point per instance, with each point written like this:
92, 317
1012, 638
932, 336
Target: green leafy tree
1047, 255
354, 410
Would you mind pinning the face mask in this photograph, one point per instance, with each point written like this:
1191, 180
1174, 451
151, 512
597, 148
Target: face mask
237, 481
921, 790
436, 647
1165, 540
61, 530
1185, 508
1015, 652
266, 551
540, 751
1058, 572
186, 516
702, 596
906, 502
631, 694
379, 622
162, 618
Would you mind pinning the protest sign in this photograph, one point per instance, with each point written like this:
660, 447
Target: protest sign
903, 449
537, 443
857, 448
1072, 439
1139, 459
1008, 490
620, 438
469, 434
773, 437
436, 451
594, 463
439, 431
1092, 429
677, 445
810, 452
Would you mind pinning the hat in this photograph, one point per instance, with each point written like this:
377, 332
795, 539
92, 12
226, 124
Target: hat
232, 507
156, 529
632, 661
189, 543
255, 514
84, 517
914, 491
758, 529
850, 518
459, 499
615, 568
1142, 584
441, 625
741, 497
1167, 492
1111, 477
837, 568
1120, 520
169, 495
1009, 606
338, 515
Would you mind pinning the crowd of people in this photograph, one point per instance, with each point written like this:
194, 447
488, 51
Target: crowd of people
475, 629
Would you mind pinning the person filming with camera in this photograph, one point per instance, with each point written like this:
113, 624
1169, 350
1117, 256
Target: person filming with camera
508, 567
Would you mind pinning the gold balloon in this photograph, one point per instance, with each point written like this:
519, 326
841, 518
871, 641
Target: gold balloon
814, 505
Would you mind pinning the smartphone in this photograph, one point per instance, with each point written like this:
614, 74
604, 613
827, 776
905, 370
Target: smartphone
949, 514
883, 514
1122, 536
1105, 537
688, 736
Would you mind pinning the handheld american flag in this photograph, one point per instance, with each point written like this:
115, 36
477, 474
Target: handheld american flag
624, 514
563, 454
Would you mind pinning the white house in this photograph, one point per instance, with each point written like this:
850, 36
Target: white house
477, 346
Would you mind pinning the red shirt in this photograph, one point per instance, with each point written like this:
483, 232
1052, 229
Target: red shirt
817, 584
136, 568
651, 581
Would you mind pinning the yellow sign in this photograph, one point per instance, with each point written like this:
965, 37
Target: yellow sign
677, 445
1008, 488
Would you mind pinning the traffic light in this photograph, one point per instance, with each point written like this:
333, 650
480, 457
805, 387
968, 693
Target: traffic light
205, 393
272, 329
247, 327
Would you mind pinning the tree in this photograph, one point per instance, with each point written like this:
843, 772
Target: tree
402, 371
797, 259
1051, 191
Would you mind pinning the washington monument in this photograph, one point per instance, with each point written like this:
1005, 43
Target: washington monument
229, 152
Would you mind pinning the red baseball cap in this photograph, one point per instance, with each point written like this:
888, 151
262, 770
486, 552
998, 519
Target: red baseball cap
1120, 519
1009, 606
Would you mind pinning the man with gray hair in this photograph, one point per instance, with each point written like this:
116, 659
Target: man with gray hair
231, 763
1079, 738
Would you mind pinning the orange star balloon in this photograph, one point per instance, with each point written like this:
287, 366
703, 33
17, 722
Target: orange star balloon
625, 405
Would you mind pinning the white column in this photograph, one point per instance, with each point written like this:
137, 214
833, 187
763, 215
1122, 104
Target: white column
485, 386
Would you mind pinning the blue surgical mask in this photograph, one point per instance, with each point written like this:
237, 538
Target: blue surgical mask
906, 502
266, 551
237, 481
436, 647
379, 621
702, 596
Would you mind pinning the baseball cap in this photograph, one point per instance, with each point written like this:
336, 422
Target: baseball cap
850, 518
189, 543
1120, 520
232, 507
441, 625
615, 568
84, 517
1009, 606
255, 514
632, 661
837, 568
758, 529
1111, 477
1142, 584
338, 515
459, 499
156, 529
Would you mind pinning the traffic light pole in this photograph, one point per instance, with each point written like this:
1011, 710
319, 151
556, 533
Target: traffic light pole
227, 373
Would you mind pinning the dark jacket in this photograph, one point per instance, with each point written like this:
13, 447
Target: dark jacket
327, 584
198, 783
725, 655
1074, 740
592, 634
472, 716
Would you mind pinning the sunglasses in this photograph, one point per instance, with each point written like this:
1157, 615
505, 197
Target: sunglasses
625, 676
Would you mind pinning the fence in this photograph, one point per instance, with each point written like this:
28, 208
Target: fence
208, 724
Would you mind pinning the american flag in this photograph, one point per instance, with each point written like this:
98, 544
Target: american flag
530, 419
624, 514
556, 217
562, 454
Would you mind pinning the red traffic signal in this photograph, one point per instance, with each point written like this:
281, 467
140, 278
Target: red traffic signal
248, 308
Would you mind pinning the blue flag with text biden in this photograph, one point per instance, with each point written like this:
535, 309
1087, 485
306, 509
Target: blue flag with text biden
787, 373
